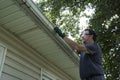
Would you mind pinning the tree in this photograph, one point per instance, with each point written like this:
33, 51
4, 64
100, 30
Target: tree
105, 21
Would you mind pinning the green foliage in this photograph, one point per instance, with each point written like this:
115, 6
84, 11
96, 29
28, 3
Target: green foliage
63, 13
105, 21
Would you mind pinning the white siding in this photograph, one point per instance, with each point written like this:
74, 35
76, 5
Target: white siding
9, 77
18, 68
22, 63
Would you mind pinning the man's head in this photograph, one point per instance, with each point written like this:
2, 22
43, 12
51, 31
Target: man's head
88, 36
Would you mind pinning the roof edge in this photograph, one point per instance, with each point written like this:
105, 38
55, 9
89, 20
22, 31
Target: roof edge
49, 29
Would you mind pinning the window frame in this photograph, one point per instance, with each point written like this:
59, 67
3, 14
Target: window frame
3, 50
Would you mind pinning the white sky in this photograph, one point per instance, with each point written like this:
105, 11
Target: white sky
36, 1
83, 20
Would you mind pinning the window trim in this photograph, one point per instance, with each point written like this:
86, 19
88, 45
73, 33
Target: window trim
2, 57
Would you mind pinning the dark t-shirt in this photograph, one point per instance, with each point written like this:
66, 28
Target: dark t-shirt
91, 63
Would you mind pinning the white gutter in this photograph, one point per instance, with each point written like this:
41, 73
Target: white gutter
49, 29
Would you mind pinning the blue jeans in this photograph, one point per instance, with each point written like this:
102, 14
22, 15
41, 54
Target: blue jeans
100, 77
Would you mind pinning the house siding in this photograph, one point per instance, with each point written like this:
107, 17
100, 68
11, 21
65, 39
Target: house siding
21, 64
17, 67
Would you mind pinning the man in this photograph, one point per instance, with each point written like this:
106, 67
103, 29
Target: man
90, 55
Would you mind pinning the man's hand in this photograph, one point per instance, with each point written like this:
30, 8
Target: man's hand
57, 30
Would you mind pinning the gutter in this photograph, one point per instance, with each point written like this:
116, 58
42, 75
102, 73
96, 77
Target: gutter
49, 29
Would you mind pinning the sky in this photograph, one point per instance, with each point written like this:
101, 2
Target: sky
35, 0
83, 20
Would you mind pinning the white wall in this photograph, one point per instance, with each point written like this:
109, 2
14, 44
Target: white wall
17, 68
22, 64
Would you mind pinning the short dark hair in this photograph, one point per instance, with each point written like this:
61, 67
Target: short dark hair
92, 32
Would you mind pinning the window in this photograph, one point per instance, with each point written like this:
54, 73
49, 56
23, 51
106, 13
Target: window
2, 57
